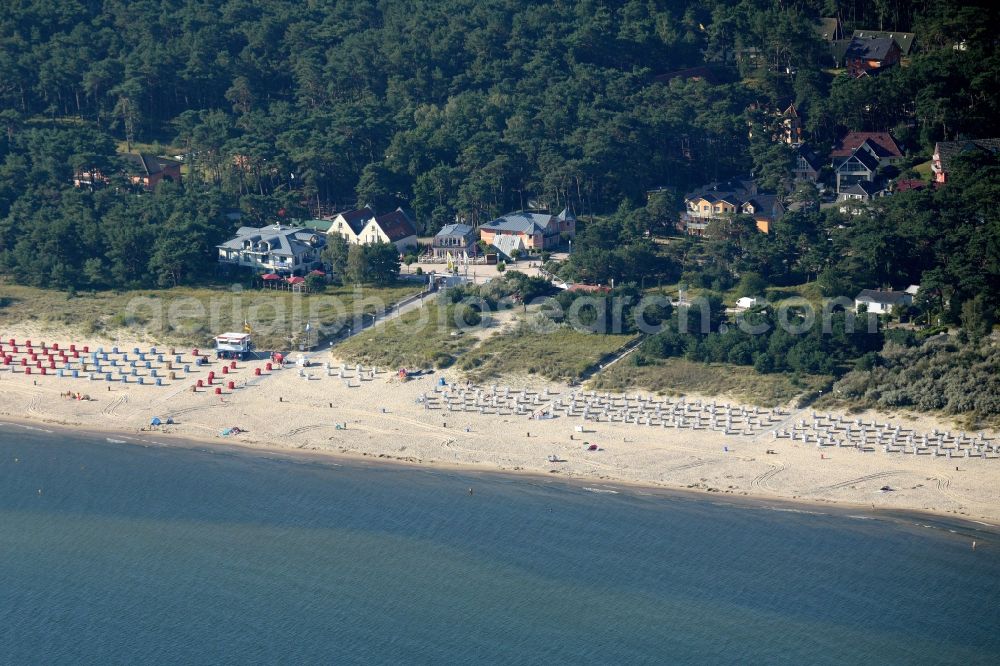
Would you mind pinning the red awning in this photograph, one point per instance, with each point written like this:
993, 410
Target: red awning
270, 276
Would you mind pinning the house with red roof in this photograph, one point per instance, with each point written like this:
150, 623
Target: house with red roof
859, 155
945, 151
362, 226
395, 227
908, 185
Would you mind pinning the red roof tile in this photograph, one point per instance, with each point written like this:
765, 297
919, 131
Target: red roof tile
396, 225
882, 140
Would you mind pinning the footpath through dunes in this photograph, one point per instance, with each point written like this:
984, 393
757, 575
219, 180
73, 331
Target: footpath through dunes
524, 424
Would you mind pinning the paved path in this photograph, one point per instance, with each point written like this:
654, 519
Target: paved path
408, 304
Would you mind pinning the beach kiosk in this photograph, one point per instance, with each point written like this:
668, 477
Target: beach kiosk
233, 345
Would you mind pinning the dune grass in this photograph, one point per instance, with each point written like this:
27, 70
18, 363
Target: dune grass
420, 339
193, 315
561, 353
679, 377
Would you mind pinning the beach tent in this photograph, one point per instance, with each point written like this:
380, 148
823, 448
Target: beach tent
155, 421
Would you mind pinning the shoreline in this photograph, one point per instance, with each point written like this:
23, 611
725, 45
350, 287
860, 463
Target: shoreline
271, 451
338, 412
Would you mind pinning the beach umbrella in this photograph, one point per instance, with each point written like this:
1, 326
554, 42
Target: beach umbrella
270, 276
317, 271
295, 279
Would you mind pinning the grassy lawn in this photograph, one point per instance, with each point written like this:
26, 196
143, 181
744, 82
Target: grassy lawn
678, 377
924, 169
422, 338
193, 315
153, 148
562, 353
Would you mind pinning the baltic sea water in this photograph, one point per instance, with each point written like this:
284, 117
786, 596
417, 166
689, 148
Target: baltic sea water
119, 553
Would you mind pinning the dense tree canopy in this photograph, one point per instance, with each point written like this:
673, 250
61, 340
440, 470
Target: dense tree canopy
462, 108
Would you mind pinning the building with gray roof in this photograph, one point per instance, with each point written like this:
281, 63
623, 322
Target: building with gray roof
276, 248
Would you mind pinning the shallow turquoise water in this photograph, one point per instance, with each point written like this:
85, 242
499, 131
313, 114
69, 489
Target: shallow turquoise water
181, 555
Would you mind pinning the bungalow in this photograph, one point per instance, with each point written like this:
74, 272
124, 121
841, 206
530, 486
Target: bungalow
881, 302
945, 151
454, 238
149, 170
870, 55
275, 248
860, 191
537, 231
907, 185
140, 169
509, 245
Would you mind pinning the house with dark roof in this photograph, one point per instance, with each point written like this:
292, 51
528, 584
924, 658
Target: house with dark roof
765, 209
860, 191
395, 227
537, 231
861, 166
870, 55
142, 169
350, 223
904, 40
945, 151
881, 302
723, 201
456, 239
276, 249
148, 170
807, 164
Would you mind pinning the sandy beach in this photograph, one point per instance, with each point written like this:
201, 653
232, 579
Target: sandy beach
341, 411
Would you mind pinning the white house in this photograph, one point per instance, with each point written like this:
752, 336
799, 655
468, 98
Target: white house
362, 226
881, 302
395, 227
275, 248
350, 223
